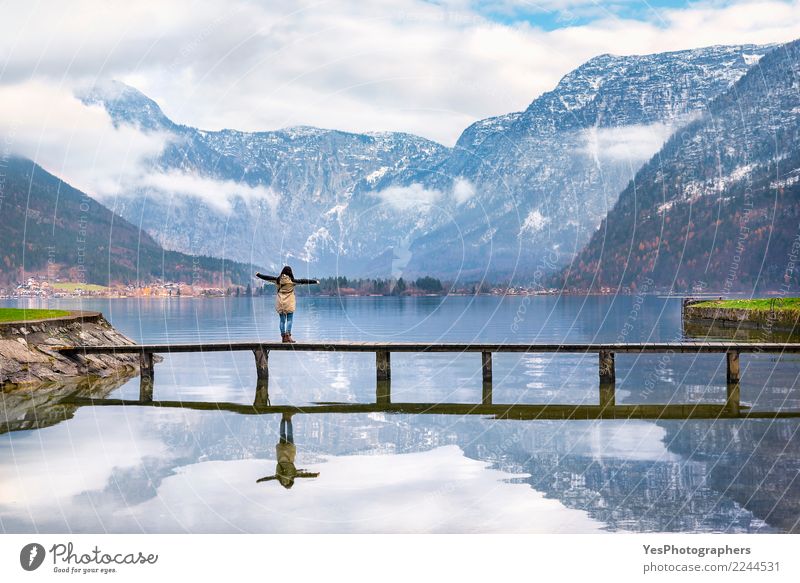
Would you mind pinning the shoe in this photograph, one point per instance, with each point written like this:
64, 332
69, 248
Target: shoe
290, 339
284, 338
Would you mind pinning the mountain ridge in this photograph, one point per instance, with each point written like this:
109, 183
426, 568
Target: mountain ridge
533, 183
725, 193
53, 230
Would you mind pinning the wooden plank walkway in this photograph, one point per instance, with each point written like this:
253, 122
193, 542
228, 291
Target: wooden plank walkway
383, 350
633, 347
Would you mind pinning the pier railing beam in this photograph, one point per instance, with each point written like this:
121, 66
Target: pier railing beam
262, 363
383, 365
486, 368
606, 362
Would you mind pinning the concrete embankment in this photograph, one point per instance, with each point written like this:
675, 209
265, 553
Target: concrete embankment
27, 355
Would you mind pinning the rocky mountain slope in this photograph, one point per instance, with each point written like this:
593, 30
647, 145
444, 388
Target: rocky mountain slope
719, 206
514, 190
51, 229
547, 176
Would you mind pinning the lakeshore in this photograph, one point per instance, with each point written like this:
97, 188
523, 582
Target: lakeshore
29, 338
764, 314
34, 288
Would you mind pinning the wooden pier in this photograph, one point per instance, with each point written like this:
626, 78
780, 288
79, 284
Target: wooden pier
606, 352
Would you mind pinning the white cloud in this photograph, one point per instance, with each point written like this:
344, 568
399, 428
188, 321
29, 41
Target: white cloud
463, 190
634, 143
440, 490
409, 197
31, 491
405, 65
46, 123
81, 145
216, 193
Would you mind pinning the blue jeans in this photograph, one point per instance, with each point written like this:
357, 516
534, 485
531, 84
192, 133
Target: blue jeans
286, 323
286, 431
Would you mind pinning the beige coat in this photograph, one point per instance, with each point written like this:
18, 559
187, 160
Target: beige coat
285, 302
285, 452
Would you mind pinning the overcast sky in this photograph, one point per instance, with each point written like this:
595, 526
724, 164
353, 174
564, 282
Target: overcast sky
429, 68
425, 67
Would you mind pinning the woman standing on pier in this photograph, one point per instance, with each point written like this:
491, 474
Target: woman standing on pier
285, 302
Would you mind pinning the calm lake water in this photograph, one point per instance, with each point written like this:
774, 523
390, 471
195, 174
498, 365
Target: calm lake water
147, 469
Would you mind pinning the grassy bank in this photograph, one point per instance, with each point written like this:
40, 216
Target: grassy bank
765, 304
19, 314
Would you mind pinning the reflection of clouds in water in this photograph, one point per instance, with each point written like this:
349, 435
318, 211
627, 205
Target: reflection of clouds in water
630, 440
437, 377
35, 476
559, 377
439, 490
341, 386
435, 491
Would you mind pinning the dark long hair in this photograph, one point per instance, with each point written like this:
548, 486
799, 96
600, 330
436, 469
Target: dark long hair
287, 271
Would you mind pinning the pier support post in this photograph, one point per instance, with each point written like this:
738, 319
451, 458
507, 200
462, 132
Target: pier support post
732, 402
383, 392
607, 372
146, 365
486, 367
145, 390
607, 395
262, 393
383, 365
262, 363
733, 366
146, 377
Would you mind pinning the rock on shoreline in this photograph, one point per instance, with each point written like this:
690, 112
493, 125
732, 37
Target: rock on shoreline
27, 355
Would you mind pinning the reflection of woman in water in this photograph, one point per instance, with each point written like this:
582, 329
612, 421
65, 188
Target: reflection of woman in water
286, 472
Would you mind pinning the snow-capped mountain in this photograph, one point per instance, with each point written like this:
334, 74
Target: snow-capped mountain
718, 206
514, 191
544, 178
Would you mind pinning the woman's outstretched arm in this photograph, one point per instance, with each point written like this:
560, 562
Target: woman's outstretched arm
271, 278
305, 474
307, 281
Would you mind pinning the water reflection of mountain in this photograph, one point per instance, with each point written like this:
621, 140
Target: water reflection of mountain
754, 462
643, 490
682, 476
620, 473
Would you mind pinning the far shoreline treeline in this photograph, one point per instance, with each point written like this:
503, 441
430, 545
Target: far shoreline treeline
341, 286
344, 286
